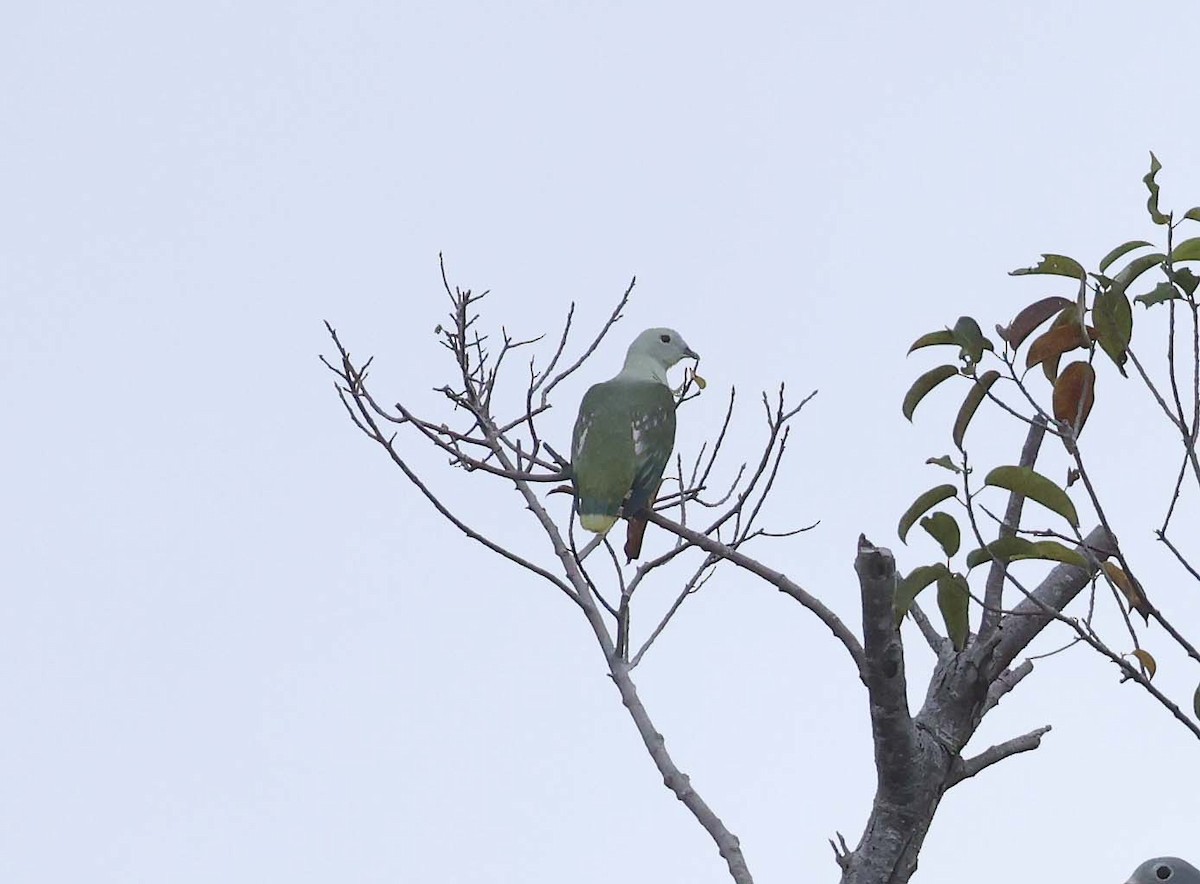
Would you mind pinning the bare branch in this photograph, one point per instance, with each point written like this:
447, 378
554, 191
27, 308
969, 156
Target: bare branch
933, 638
967, 768
540, 378
1005, 682
891, 722
675, 780
604, 330
776, 579
1056, 590
693, 585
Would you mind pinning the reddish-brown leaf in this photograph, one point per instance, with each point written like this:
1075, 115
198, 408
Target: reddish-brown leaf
1055, 343
1031, 317
1050, 367
1074, 394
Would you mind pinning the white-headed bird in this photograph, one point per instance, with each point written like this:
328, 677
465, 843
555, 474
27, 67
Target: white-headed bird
624, 435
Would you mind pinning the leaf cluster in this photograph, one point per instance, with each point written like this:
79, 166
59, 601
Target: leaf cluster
1095, 316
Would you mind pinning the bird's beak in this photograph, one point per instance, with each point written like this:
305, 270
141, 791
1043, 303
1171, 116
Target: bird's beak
688, 351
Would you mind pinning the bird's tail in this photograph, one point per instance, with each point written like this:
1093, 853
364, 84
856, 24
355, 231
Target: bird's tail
594, 514
634, 532
597, 522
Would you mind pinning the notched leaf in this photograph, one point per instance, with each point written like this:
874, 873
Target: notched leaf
1185, 279
1164, 291
945, 463
1052, 265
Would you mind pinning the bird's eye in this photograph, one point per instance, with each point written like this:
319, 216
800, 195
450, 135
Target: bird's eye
666, 339
1162, 873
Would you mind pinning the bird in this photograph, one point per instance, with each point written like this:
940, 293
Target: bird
624, 435
1170, 869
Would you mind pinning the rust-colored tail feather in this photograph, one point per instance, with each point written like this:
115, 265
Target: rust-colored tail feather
633, 537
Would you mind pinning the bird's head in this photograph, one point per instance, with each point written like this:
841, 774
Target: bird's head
1169, 869
664, 346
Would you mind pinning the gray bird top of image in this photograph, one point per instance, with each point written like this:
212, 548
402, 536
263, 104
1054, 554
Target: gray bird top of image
1165, 868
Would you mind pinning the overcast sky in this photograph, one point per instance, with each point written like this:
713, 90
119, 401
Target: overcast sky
237, 647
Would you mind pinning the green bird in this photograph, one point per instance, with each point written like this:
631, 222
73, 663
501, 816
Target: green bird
624, 435
1170, 869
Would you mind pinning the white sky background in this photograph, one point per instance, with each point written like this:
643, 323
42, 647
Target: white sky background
237, 647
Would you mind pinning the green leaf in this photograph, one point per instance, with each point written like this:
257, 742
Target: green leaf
1185, 279
1123, 249
969, 336
910, 587
1036, 487
1016, 549
1031, 317
945, 462
922, 505
1053, 551
945, 336
1004, 550
943, 528
953, 600
922, 385
1136, 268
1152, 203
1188, 250
1192, 214
967, 411
1113, 315
1164, 291
1053, 265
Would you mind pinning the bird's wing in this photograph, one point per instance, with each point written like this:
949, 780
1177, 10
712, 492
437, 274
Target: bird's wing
652, 420
602, 455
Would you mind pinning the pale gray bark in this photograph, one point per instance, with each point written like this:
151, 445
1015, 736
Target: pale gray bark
917, 758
